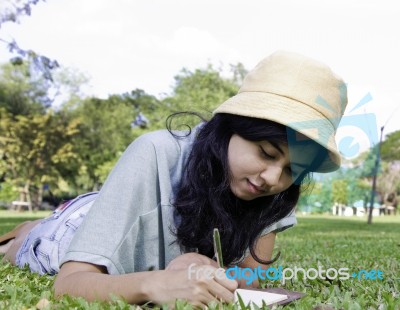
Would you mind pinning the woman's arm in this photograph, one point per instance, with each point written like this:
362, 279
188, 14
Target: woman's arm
264, 249
163, 286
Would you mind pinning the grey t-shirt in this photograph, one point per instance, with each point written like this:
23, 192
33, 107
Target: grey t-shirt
129, 227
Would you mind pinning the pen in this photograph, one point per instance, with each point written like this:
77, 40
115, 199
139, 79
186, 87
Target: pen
218, 248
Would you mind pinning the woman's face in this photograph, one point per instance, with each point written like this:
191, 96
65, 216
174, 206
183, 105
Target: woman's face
262, 168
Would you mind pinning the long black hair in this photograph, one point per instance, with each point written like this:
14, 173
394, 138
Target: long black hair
204, 200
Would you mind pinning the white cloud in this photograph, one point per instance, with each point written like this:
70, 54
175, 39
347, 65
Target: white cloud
193, 41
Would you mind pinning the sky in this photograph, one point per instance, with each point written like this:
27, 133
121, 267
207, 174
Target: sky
122, 45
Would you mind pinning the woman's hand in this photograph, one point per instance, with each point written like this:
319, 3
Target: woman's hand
185, 260
198, 284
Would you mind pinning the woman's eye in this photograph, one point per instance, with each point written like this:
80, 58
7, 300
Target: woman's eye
265, 154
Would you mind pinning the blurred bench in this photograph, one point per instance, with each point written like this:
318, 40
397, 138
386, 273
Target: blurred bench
18, 205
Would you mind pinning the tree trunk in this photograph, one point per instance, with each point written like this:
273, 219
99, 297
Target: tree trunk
28, 195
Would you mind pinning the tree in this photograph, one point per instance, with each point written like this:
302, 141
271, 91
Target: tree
339, 191
388, 181
239, 73
202, 90
390, 148
104, 132
109, 125
74, 148
25, 100
36, 150
66, 87
20, 92
316, 196
149, 113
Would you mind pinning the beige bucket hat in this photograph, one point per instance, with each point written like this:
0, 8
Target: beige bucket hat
298, 92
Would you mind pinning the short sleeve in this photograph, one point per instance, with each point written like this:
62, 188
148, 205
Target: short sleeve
283, 224
127, 227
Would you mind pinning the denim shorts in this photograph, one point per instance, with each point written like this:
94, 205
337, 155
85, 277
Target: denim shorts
46, 244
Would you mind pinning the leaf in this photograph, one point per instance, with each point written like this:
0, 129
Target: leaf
241, 303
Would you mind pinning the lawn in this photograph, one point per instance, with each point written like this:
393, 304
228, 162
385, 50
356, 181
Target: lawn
316, 242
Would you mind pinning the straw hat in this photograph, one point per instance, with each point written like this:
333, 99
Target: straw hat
298, 92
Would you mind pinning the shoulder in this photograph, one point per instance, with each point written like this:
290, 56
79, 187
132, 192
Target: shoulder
150, 143
164, 144
158, 137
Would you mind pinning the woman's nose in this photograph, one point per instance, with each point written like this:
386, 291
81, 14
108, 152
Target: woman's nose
271, 175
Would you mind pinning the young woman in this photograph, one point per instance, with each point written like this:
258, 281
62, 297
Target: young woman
240, 172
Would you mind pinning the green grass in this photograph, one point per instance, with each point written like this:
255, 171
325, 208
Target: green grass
328, 241
10, 219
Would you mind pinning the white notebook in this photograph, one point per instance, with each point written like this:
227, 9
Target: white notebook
257, 297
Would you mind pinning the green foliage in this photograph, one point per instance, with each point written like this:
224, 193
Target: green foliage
358, 189
66, 86
390, 148
8, 192
101, 172
37, 149
20, 92
150, 107
339, 191
104, 131
34, 141
317, 197
351, 183
74, 148
200, 91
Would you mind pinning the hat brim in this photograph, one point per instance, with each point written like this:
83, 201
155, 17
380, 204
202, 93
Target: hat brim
286, 111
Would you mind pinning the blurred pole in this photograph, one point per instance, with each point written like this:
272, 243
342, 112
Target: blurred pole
376, 168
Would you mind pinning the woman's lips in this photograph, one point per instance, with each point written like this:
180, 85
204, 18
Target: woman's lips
254, 188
